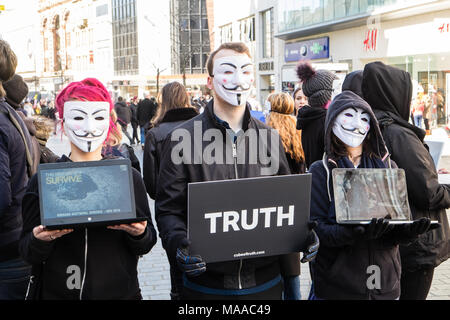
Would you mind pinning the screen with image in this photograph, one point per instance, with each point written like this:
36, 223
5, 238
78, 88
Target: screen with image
364, 194
89, 191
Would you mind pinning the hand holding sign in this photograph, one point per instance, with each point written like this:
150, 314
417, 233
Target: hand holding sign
192, 266
313, 244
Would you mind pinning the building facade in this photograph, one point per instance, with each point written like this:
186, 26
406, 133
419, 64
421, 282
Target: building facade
255, 25
345, 35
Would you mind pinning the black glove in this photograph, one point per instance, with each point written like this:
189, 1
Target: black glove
313, 244
415, 229
192, 266
375, 230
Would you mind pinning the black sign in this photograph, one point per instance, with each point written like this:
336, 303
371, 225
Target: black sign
266, 66
248, 218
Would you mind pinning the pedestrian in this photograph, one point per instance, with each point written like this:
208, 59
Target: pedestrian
228, 114
43, 131
300, 99
340, 271
16, 90
418, 110
388, 90
174, 110
318, 88
427, 113
123, 116
15, 169
107, 256
145, 112
281, 119
134, 121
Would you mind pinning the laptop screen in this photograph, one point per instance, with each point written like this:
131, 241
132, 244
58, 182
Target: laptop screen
85, 192
363, 194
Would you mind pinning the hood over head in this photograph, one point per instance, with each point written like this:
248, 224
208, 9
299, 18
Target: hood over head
343, 101
387, 89
353, 82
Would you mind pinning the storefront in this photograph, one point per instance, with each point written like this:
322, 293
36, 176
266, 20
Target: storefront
418, 44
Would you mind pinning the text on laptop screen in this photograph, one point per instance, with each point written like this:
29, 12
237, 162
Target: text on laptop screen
76, 192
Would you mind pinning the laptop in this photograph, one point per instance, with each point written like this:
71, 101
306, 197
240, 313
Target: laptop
76, 195
248, 218
363, 194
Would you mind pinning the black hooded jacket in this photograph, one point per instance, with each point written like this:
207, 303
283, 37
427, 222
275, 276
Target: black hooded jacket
353, 82
108, 258
312, 123
389, 91
340, 268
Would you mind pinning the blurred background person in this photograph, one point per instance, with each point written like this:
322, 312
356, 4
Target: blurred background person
300, 99
175, 108
281, 119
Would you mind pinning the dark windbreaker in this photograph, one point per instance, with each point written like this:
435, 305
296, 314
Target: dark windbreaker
389, 91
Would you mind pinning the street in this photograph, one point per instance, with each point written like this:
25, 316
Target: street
154, 274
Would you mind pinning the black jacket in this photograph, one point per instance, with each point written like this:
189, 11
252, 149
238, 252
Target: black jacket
112, 256
312, 123
145, 112
389, 90
153, 145
171, 198
134, 118
353, 82
13, 181
123, 113
340, 268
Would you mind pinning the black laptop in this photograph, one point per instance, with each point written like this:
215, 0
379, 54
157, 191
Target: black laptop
84, 194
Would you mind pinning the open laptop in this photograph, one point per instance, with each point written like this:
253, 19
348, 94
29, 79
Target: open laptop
363, 194
248, 218
85, 194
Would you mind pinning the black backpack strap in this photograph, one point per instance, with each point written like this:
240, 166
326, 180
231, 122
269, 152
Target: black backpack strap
16, 123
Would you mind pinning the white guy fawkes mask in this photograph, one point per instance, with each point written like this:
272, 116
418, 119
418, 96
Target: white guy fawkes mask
352, 126
233, 78
86, 123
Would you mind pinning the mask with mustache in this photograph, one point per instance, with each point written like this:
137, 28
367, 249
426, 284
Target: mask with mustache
86, 123
233, 78
352, 126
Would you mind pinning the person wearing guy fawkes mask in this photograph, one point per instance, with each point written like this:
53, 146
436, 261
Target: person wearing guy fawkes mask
340, 271
231, 76
106, 257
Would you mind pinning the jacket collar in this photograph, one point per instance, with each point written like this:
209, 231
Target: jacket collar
209, 112
179, 114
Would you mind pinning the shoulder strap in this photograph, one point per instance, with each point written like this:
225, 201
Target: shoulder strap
27, 149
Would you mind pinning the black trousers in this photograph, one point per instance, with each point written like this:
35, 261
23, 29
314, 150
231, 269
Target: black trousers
135, 134
416, 285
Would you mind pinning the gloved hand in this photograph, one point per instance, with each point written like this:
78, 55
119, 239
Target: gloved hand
313, 244
415, 229
192, 266
375, 230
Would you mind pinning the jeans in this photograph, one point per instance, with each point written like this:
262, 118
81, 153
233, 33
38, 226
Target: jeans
292, 288
14, 277
418, 120
142, 135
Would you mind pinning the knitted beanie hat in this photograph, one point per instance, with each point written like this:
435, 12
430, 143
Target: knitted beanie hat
317, 84
16, 90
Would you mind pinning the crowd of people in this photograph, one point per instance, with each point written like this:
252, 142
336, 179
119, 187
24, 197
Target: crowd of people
365, 127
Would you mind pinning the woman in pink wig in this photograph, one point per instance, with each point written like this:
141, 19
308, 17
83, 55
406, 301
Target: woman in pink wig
95, 263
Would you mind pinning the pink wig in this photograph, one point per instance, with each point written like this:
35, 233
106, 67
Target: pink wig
89, 89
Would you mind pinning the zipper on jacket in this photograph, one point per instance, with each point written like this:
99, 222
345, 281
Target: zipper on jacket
85, 262
237, 177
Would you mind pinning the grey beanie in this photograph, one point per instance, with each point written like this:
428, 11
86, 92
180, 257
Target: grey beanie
317, 84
